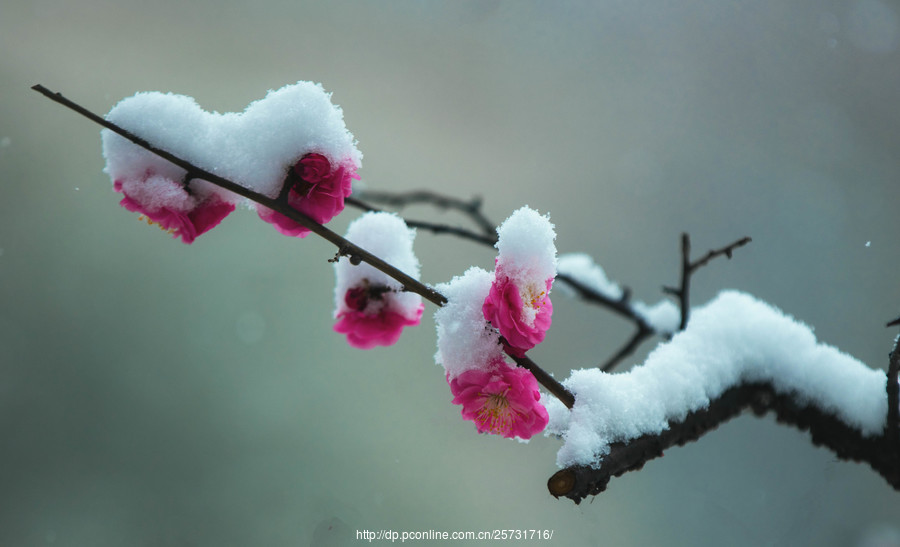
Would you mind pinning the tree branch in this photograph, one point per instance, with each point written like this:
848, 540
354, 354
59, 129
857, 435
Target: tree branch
621, 306
893, 396
472, 208
630, 346
578, 482
688, 268
430, 226
345, 247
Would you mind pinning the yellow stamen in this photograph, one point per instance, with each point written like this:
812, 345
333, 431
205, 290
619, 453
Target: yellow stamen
495, 415
533, 300
149, 222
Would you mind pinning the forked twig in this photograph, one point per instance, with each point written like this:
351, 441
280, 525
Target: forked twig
688, 268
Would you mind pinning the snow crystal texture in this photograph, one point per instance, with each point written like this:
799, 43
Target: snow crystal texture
733, 339
385, 235
254, 148
525, 246
465, 340
664, 316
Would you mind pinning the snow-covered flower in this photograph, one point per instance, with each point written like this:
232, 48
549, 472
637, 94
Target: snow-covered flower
502, 400
521, 311
368, 319
294, 133
170, 205
316, 189
464, 339
518, 304
372, 308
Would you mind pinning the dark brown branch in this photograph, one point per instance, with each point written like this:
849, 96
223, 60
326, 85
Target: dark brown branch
472, 208
893, 397
641, 334
546, 380
578, 482
355, 253
621, 306
688, 268
344, 246
686, 271
438, 229
726, 250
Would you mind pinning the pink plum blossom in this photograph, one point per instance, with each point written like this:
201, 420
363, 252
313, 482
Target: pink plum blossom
520, 310
168, 204
502, 400
317, 191
370, 319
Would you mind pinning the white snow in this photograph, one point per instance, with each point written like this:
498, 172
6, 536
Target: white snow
525, 246
527, 255
732, 339
465, 340
254, 148
582, 268
664, 316
385, 235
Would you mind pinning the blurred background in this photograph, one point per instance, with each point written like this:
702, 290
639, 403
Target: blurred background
154, 393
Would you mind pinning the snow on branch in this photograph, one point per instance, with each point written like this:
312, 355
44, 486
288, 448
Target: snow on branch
736, 352
579, 275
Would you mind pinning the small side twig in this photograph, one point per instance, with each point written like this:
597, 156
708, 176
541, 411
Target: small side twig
643, 332
688, 268
431, 226
621, 306
471, 208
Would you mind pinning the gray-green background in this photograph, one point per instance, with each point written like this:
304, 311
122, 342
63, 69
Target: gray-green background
153, 393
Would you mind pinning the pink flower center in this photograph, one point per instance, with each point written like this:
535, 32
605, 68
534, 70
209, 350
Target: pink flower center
308, 172
357, 298
495, 414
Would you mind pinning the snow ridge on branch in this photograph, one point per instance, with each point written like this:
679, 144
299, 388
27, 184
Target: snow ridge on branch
736, 352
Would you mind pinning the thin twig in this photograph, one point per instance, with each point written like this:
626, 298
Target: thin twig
688, 268
472, 208
726, 250
621, 306
345, 248
632, 344
430, 226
